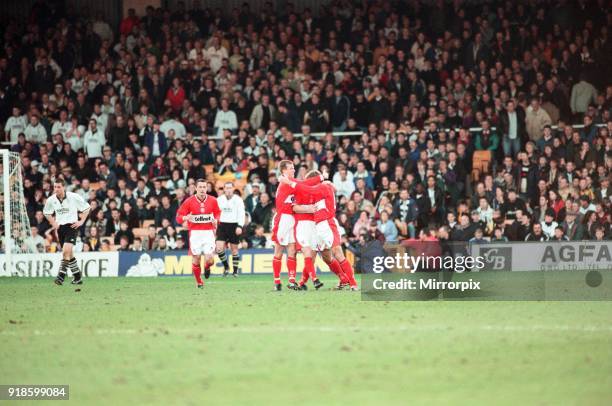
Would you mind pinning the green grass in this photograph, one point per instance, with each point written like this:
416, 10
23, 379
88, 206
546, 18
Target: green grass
161, 341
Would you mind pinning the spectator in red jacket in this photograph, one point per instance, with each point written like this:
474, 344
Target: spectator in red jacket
129, 22
158, 169
175, 95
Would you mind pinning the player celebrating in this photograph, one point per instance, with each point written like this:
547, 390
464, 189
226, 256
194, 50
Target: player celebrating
200, 214
66, 212
283, 233
305, 229
230, 228
326, 229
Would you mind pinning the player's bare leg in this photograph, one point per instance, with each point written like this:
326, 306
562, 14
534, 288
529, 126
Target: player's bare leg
197, 270
220, 250
235, 259
335, 267
346, 266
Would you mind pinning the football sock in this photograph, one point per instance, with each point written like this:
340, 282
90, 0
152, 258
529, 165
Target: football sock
74, 268
348, 271
305, 273
62, 271
276, 268
291, 266
335, 267
223, 258
197, 273
309, 267
236, 263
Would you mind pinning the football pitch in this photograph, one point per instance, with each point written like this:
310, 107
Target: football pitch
161, 341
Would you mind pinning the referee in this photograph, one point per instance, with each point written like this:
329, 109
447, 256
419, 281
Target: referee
230, 227
66, 212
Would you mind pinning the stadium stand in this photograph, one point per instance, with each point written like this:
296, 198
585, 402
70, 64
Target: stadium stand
446, 116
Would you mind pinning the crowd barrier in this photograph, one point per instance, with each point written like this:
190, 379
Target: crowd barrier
8, 144
517, 256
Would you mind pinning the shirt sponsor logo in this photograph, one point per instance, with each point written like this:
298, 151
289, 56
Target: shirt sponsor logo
202, 218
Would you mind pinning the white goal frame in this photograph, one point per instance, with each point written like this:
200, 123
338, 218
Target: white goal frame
17, 232
6, 177
6, 193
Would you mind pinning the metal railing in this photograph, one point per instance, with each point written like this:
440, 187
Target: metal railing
8, 144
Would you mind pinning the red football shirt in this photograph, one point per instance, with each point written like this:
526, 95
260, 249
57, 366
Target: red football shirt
206, 213
303, 198
285, 198
324, 198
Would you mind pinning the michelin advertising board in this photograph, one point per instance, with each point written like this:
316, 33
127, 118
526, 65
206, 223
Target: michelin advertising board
176, 263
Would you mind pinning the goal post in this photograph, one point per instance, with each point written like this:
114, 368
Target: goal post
16, 233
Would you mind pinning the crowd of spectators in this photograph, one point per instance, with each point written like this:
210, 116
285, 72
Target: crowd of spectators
131, 114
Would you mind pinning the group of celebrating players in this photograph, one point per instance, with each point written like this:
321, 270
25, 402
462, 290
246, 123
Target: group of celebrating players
304, 221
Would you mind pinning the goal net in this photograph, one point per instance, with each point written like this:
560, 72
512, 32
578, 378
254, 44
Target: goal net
14, 221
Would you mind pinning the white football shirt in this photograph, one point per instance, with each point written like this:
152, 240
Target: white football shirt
232, 210
67, 210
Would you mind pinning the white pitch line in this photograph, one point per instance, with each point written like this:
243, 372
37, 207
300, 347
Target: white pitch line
317, 329
336, 329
